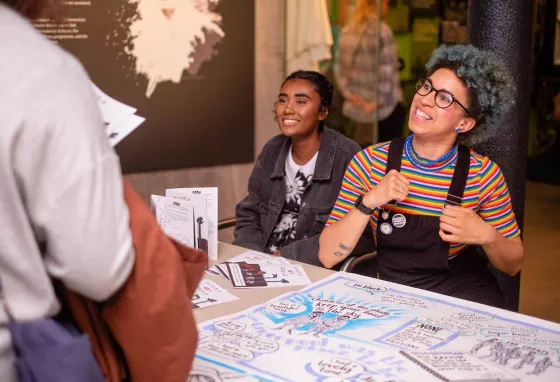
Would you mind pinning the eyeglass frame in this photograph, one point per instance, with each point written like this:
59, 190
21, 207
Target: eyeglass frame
436, 93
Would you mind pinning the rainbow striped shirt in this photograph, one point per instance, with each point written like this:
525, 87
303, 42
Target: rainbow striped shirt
486, 191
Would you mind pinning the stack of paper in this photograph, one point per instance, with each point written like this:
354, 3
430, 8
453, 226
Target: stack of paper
190, 216
258, 270
209, 293
120, 119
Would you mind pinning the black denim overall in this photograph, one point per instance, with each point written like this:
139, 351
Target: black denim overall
414, 254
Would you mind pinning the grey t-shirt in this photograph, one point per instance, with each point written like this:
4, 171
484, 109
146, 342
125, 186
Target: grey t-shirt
62, 212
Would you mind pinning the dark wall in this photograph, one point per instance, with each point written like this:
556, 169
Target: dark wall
206, 119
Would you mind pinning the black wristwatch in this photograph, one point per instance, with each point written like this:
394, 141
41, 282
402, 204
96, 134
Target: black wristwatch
362, 208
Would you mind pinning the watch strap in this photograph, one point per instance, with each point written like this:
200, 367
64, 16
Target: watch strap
360, 206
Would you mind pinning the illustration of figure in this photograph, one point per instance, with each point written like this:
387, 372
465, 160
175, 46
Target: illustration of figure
294, 323
482, 344
541, 366
328, 324
496, 351
526, 359
513, 353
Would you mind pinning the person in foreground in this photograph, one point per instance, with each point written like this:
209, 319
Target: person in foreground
430, 200
296, 178
63, 213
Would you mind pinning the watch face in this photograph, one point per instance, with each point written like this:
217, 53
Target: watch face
361, 207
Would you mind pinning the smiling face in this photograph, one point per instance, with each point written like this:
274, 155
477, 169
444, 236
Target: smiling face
298, 110
430, 121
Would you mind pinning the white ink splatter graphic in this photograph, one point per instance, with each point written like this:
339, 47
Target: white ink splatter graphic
168, 37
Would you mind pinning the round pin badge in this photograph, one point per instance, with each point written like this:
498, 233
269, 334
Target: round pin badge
385, 215
399, 220
386, 228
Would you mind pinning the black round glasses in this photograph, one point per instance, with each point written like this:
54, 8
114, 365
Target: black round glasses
442, 98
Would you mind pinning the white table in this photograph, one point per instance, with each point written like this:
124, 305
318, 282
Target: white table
380, 318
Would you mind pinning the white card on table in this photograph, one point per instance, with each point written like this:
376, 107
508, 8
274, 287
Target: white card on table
175, 217
211, 195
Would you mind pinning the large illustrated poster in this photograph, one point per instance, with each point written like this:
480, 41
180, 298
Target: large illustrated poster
353, 328
187, 66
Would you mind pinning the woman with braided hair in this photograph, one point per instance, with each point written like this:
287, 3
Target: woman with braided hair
296, 178
430, 199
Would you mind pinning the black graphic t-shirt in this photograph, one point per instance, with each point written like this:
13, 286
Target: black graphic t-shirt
297, 179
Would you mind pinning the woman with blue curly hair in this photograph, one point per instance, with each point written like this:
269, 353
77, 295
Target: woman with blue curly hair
430, 199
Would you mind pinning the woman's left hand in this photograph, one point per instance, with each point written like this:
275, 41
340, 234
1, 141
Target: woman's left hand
464, 226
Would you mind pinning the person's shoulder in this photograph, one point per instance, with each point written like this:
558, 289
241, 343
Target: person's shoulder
481, 162
484, 167
39, 76
39, 71
385, 28
32, 55
387, 33
377, 152
273, 146
345, 146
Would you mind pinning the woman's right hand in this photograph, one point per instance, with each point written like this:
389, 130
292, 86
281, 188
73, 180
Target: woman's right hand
394, 186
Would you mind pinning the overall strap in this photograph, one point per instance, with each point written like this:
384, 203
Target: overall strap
394, 157
460, 175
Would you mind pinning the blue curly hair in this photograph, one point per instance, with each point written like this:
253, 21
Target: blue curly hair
490, 87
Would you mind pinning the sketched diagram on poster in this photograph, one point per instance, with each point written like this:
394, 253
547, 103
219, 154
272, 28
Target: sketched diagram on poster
515, 355
525, 349
175, 217
168, 37
327, 315
349, 327
240, 343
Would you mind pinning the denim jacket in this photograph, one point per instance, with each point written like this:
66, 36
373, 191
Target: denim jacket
258, 213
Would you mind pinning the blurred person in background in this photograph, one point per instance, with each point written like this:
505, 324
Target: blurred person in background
357, 80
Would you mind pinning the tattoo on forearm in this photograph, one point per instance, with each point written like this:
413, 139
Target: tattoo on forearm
344, 250
344, 247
